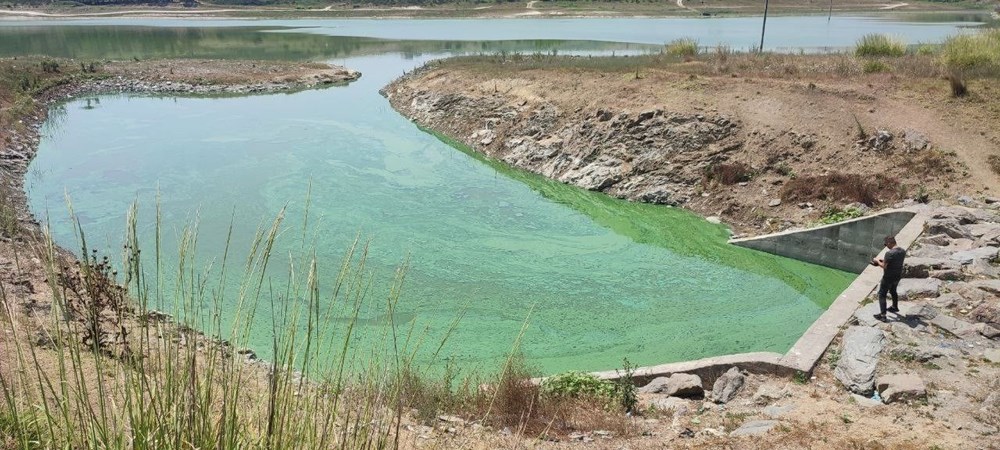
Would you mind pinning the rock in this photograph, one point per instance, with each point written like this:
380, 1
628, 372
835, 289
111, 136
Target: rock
955, 326
858, 359
938, 239
986, 313
918, 267
946, 300
923, 353
917, 311
968, 256
864, 315
949, 227
965, 200
677, 406
990, 286
987, 331
776, 411
768, 393
963, 216
865, 402
984, 268
915, 140
713, 219
947, 275
992, 355
727, 386
979, 230
910, 288
754, 428
678, 385
774, 202
894, 388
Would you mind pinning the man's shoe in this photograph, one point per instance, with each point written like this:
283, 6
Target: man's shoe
880, 317
892, 309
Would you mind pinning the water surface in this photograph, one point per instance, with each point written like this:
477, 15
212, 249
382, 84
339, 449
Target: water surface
594, 279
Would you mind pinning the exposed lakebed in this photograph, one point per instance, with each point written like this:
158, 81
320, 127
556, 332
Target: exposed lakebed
594, 279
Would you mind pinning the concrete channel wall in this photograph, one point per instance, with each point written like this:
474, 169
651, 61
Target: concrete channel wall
848, 245
807, 351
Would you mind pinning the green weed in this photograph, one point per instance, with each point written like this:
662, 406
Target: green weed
879, 45
684, 47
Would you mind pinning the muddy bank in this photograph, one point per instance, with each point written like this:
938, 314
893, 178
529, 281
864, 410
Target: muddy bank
764, 151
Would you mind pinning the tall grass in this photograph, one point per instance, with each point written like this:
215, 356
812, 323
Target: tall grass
878, 45
117, 377
684, 47
971, 55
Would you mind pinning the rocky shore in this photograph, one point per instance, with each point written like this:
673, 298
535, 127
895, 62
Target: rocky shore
763, 153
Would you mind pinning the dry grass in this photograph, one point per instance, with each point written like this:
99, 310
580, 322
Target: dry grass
929, 163
842, 187
728, 173
994, 161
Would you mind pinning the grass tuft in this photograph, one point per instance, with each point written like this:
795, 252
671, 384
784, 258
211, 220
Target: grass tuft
684, 47
728, 173
879, 45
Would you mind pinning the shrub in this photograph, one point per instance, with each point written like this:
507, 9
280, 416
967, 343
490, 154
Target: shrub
875, 67
994, 161
875, 45
684, 47
842, 187
576, 384
729, 173
835, 215
971, 55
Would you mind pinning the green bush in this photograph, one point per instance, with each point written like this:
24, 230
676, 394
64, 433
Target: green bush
834, 215
875, 67
875, 45
685, 47
971, 55
577, 384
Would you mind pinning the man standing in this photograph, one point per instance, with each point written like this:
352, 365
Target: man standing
893, 271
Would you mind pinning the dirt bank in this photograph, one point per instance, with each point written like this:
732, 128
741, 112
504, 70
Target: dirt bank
766, 143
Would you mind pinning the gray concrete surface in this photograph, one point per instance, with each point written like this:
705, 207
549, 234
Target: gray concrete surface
848, 245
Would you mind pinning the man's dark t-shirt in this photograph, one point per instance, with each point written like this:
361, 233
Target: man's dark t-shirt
894, 263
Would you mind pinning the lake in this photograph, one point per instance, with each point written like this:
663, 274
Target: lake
577, 279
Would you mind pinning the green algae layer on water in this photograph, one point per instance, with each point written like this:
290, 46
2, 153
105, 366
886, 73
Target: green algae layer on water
590, 279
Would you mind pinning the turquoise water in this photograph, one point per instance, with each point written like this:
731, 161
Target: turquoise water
591, 279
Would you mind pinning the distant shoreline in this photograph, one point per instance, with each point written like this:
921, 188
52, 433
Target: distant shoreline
503, 11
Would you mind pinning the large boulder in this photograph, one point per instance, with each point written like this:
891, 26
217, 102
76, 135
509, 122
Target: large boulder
728, 385
957, 327
910, 288
677, 385
988, 313
894, 388
948, 226
859, 358
921, 267
966, 257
